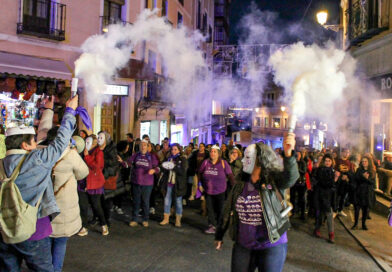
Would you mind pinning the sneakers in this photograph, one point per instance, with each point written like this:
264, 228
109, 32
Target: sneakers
119, 211
331, 238
342, 213
133, 224
145, 224
105, 230
334, 215
317, 233
184, 202
211, 230
191, 198
83, 232
152, 210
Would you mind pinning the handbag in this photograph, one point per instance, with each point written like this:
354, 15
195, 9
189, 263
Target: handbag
111, 183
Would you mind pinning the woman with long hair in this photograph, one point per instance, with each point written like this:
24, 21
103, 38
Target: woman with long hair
255, 212
362, 186
324, 183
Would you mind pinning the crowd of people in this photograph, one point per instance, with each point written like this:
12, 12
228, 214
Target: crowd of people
64, 175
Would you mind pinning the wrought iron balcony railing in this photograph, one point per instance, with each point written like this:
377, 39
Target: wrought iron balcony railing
107, 20
44, 19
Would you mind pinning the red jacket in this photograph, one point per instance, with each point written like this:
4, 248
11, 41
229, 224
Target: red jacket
95, 163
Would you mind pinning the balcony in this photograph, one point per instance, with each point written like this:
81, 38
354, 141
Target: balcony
367, 20
107, 20
43, 19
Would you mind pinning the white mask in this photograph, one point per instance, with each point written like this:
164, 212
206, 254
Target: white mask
249, 159
101, 139
89, 143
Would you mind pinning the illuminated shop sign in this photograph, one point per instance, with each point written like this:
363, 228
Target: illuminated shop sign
116, 90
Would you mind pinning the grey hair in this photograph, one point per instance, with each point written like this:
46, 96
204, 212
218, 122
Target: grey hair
268, 159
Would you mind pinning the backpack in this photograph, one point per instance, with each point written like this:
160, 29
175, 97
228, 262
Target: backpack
18, 219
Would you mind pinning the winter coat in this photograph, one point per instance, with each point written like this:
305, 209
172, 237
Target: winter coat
65, 174
362, 188
180, 169
111, 164
95, 163
192, 162
323, 183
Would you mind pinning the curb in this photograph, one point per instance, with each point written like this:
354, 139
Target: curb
380, 263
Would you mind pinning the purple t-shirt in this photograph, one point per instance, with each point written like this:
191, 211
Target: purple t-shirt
252, 232
214, 176
43, 229
142, 164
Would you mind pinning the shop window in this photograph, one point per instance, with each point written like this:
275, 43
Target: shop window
205, 24
276, 122
112, 12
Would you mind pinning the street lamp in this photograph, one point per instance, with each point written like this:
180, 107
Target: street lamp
322, 18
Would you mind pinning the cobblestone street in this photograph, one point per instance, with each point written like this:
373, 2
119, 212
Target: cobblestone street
188, 249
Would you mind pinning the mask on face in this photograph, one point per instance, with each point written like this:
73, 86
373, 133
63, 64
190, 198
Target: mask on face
249, 159
89, 143
101, 139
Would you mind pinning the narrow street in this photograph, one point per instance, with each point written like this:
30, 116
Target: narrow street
188, 249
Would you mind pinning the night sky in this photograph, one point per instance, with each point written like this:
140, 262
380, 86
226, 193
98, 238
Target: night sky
289, 12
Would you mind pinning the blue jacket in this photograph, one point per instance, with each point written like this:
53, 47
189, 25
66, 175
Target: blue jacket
35, 175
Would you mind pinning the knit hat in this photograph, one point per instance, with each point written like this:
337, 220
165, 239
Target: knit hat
79, 143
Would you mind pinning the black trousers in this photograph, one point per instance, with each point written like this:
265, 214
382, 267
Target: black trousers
297, 198
215, 205
365, 213
83, 205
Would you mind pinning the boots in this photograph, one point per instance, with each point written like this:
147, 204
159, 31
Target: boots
178, 220
331, 238
364, 227
165, 221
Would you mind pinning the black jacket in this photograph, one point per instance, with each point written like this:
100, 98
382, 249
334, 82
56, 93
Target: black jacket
180, 188
111, 165
323, 183
302, 171
276, 225
236, 168
192, 162
362, 188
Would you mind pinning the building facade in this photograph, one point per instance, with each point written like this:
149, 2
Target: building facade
367, 35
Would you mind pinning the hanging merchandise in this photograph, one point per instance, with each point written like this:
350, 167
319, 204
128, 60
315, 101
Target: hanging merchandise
16, 112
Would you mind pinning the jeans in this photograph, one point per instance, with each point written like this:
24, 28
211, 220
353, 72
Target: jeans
168, 201
59, 246
320, 217
37, 255
141, 196
266, 260
215, 205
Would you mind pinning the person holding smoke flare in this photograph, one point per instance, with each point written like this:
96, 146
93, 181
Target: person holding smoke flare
255, 202
214, 173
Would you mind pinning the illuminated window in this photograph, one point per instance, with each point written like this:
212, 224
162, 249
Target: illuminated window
276, 122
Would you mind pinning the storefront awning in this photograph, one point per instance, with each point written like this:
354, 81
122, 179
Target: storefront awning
33, 66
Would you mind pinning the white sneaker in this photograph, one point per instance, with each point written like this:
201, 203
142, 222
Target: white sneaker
342, 213
119, 211
334, 215
191, 198
152, 210
184, 202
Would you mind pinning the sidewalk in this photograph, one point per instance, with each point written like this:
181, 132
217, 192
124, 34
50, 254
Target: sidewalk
377, 241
